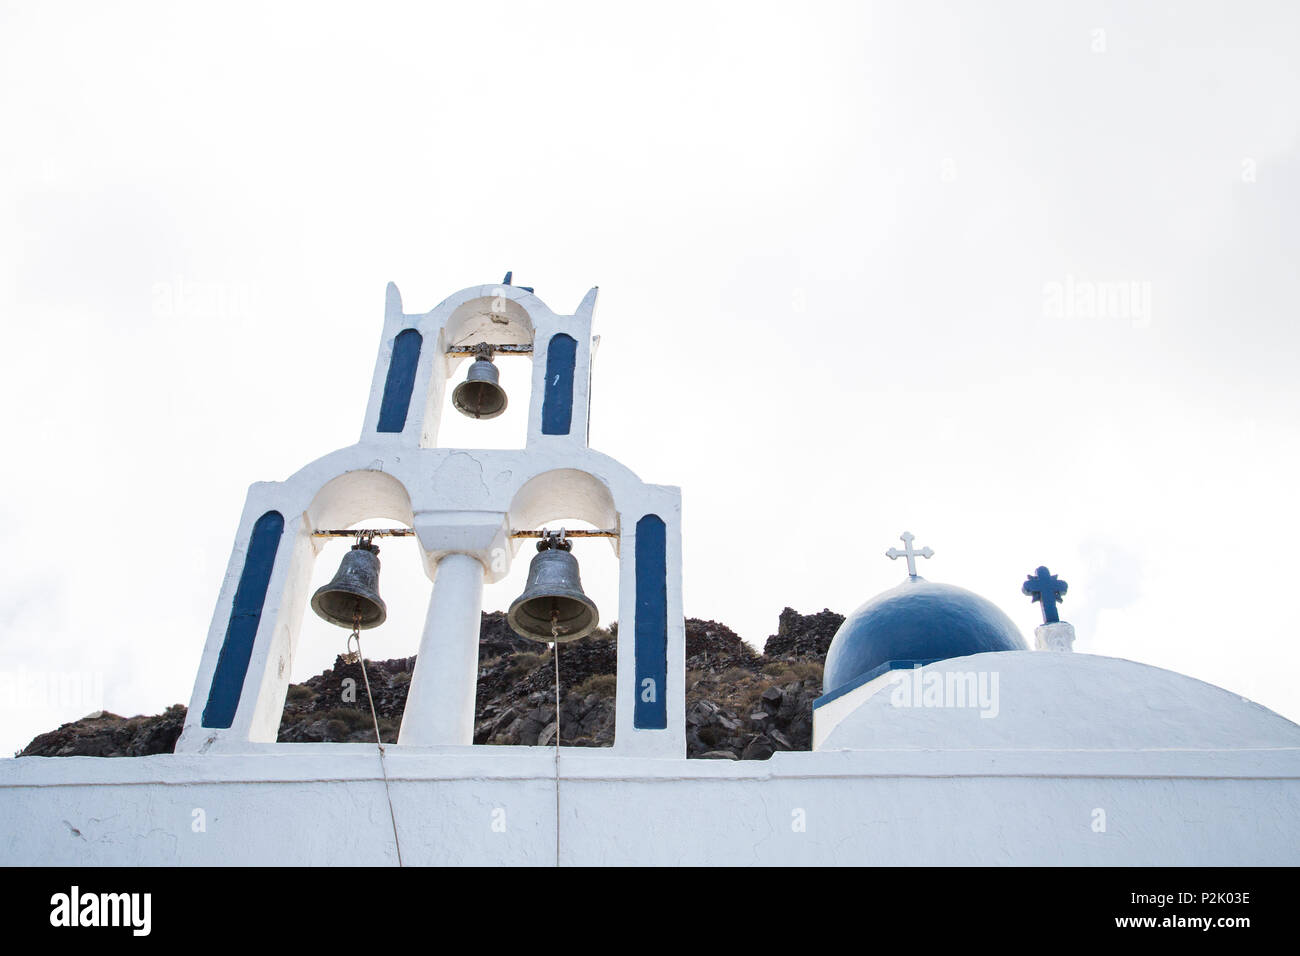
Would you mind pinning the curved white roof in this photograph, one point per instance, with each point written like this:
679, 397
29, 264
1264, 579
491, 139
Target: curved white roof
1037, 700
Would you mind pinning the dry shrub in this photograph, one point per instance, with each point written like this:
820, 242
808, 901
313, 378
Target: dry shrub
602, 685
523, 664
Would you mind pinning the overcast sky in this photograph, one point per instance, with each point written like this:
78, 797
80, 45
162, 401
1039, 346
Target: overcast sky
1020, 279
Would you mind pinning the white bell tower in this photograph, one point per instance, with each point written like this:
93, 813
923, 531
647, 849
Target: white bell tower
467, 508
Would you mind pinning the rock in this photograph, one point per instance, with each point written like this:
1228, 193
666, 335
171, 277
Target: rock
771, 700
803, 635
700, 713
506, 718
714, 645
109, 735
497, 639
516, 696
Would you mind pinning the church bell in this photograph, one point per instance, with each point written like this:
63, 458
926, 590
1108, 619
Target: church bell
480, 395
353, 591
553, 606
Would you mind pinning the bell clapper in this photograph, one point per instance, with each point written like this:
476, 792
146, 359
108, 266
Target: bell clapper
374, 716
355, 636
354, 657
555, 650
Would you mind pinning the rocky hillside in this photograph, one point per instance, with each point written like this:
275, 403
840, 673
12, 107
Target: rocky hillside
739, 704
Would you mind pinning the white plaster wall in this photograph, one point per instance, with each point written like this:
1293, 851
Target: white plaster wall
325, 805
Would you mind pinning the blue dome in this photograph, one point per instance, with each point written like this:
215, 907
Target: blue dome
916, 621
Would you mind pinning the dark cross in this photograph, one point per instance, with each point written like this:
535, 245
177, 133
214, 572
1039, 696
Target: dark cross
1047, 589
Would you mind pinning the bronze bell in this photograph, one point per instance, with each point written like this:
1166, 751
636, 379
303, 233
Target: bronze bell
480, 395
553, 606
355, 588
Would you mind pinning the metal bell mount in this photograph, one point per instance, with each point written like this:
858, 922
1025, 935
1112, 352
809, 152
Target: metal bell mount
553, 607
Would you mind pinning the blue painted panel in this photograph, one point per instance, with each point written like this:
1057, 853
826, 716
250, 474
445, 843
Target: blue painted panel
651, 710
400, 382
245, 615
557, 396
869, 676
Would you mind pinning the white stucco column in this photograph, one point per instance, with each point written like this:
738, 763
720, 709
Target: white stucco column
440, 703
1057, 636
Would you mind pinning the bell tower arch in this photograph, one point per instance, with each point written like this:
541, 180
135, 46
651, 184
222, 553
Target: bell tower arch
470, 511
